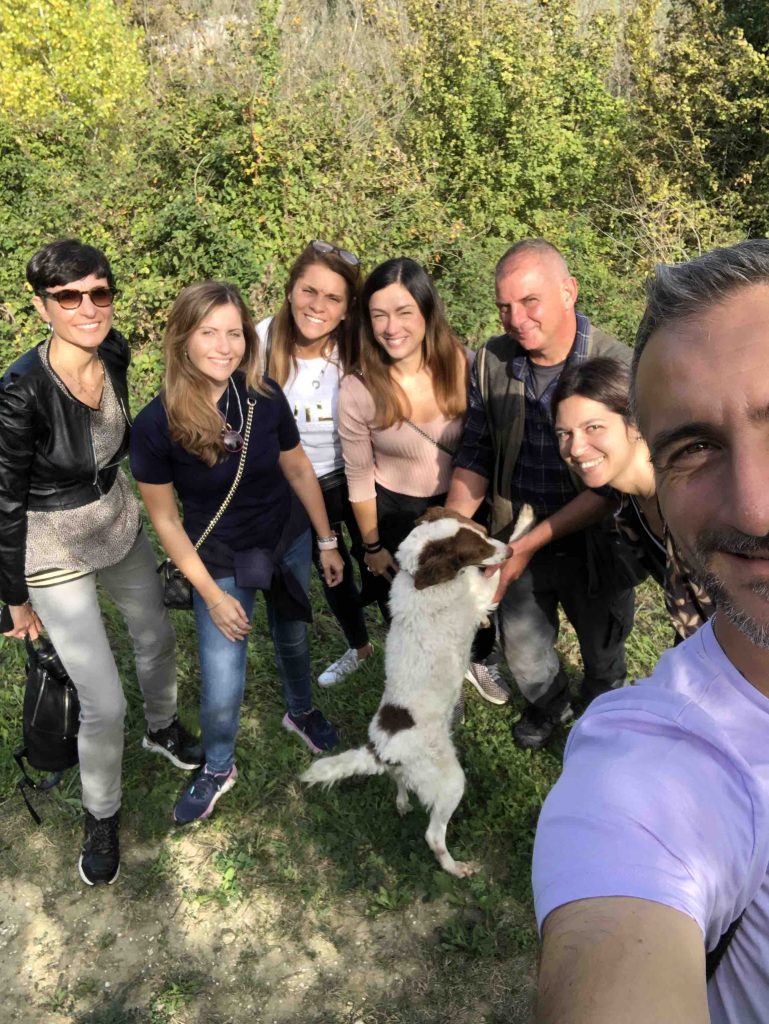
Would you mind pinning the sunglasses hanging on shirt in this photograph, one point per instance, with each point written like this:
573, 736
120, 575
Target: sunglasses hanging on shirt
232, 439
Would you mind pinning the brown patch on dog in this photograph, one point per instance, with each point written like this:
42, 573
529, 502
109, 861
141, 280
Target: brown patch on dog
442, 559
436, 512
393, 718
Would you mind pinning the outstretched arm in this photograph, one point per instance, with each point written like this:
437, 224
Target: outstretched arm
585, 510
621, 959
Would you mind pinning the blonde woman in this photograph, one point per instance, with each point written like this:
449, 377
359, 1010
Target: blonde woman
187, 443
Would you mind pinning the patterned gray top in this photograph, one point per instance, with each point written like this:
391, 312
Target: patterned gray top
65, 544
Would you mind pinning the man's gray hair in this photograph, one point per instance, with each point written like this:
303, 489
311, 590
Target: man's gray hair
680, 291
531, 247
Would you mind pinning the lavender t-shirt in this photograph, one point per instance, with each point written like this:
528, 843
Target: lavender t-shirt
665, 797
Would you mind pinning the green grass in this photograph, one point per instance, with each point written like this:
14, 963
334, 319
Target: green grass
334, 879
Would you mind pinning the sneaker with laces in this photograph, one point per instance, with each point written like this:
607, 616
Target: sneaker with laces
488, 681
174, 742
198, 800
535, 726
313, 729
100, 856
341, 668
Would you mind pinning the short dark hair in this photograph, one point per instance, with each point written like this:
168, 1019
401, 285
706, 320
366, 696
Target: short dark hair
679, 291
64, 261
601, 379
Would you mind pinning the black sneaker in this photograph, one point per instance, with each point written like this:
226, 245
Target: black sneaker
175, 743
100, 856
313, 729
535, 726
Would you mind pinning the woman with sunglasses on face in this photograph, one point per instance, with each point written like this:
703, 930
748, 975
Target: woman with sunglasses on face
401, 417
216, 404
69, 520
602, 445
306, 348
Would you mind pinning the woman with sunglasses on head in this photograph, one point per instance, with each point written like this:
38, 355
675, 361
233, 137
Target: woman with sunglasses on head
601, 444
69, 520
307, 347
218, 428
401, 416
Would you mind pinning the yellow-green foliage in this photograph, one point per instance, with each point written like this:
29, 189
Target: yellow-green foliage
67, 59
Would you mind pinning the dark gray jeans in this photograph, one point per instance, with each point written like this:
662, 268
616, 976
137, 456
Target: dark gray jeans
71, 615
528, 624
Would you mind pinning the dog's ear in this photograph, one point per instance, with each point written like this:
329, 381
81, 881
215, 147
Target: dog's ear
441, 560
432, 515
436, 512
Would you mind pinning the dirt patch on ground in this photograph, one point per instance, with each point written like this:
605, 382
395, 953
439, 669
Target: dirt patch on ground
167, 943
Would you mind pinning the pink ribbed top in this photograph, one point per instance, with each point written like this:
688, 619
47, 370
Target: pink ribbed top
398, 458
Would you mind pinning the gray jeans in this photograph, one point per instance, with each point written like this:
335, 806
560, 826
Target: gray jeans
528, 624
71, 615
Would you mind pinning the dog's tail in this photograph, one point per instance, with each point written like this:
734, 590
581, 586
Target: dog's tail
329, 770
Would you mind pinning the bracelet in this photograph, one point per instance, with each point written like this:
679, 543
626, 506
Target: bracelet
210, 607
374, 548
330, 543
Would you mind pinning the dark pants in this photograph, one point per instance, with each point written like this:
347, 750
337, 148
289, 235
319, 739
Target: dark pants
396, 516
344, 600
528, 622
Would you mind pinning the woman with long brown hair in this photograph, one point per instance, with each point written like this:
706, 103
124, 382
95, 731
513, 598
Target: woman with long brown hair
310, 343
401, 416
188, 442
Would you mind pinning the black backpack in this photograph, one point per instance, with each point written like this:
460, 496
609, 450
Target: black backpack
50, 722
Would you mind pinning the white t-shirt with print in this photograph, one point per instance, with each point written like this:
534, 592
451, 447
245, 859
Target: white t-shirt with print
313, 395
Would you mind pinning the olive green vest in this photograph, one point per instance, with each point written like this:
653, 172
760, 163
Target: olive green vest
503, 398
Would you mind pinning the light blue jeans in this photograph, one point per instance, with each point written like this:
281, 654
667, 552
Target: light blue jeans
223, 661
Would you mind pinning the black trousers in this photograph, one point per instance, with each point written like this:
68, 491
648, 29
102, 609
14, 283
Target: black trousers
344, 600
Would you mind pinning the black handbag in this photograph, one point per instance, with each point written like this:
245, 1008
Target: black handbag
51, 719
177, 589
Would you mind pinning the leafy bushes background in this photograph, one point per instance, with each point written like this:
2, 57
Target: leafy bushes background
195, 138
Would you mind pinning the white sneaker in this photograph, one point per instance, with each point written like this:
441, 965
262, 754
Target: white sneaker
340, 669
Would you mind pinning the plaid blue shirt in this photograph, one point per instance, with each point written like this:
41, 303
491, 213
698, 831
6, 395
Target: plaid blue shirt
540, 476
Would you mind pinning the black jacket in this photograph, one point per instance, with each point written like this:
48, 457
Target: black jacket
47, 456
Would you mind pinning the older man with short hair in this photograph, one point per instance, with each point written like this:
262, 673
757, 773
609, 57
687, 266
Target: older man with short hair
651, 864
510, 450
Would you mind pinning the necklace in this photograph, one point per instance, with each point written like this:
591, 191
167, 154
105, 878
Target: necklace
93, 388
316, 381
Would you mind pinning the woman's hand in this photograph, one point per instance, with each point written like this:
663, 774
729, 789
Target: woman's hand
25, 622
381, 563
333, 567
228, 616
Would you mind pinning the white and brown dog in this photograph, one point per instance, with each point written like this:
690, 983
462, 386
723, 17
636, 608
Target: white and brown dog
438, 600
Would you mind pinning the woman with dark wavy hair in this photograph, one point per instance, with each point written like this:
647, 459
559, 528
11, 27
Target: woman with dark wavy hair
401, 416
602, 445
188, 442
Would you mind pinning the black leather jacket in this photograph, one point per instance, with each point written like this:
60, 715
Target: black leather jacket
47, 455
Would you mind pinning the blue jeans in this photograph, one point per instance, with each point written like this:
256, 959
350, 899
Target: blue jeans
223, 662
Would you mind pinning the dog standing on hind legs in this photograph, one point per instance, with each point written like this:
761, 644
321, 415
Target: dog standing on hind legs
438, 600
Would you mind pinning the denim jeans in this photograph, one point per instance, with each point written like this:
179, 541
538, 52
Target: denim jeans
223, 662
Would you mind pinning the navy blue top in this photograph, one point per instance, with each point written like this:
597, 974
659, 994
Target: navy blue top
262, 504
